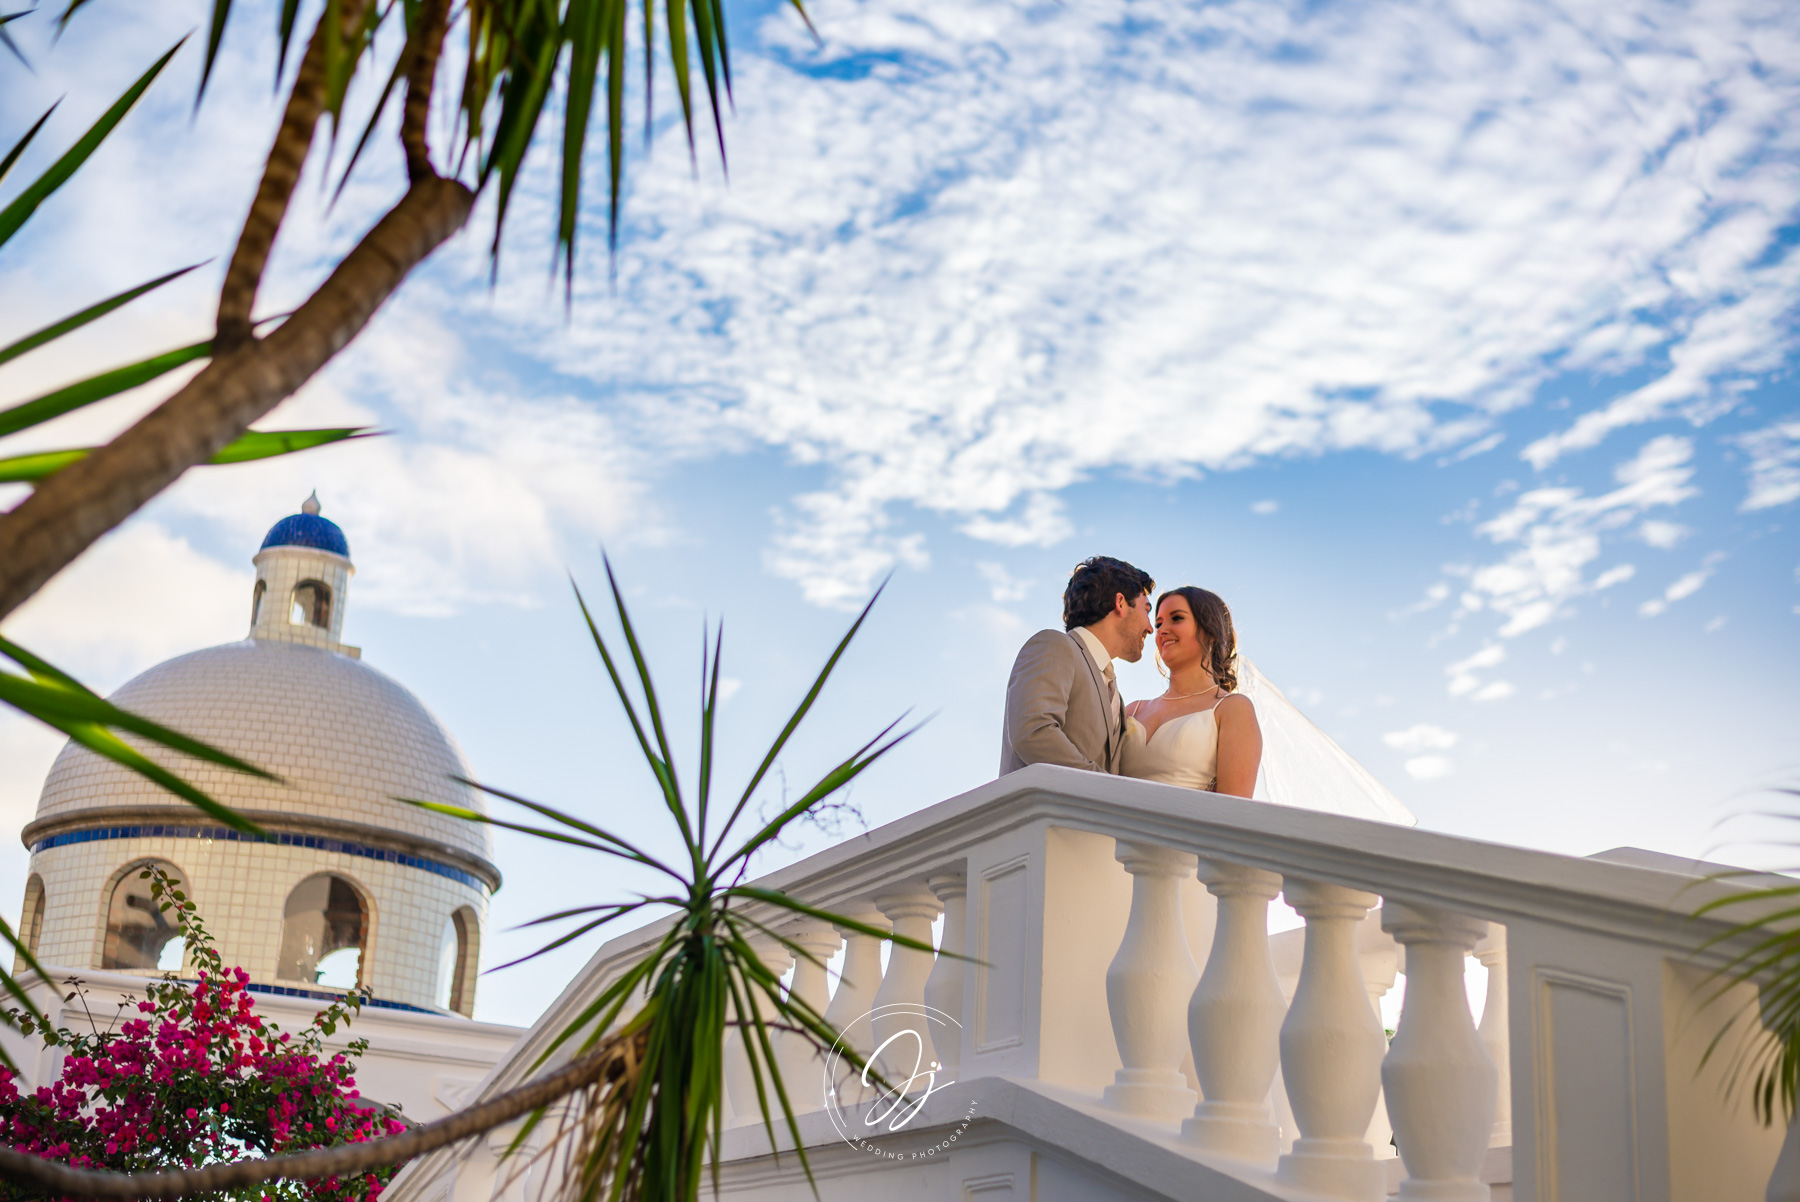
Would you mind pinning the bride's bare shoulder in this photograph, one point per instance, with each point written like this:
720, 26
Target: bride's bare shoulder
1235, 703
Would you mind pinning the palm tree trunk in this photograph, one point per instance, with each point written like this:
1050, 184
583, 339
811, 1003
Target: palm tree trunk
75, 507
281, 173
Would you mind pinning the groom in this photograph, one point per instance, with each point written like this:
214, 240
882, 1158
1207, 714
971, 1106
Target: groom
1062, 703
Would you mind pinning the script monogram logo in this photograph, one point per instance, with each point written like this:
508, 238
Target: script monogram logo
861, 1106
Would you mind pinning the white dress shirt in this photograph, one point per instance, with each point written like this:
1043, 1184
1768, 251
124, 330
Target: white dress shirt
1102, 661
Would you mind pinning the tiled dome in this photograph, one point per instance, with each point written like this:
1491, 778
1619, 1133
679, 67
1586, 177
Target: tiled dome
308, 529
345, 739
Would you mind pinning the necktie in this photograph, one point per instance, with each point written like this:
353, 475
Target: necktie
1112, 693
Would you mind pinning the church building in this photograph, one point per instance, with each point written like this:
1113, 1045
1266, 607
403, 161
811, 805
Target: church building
350, 887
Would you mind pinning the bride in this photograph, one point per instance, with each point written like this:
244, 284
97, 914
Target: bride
1224, 727
1201, 732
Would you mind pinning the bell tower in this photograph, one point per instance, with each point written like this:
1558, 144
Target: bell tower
302, 575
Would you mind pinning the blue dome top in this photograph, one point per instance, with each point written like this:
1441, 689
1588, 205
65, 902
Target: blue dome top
308, 529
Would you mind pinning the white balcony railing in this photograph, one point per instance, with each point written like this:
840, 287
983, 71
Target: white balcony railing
1128, 987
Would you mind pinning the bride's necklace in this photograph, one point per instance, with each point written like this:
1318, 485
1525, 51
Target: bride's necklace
1183, 696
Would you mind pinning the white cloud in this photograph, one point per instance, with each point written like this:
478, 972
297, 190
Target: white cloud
1493, 691
1420, 737
1462, 672
27, 749
1662, 535
959, 279
1685, 586
480, 500
1001, 585
1428, 767
1042, 523
1558, 531
1265, 507
955, 277
139, 596
1774, 465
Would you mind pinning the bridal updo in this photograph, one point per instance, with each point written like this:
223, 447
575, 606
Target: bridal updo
1213, 617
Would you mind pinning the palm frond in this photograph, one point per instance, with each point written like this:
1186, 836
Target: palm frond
18, 148
74, 322
74, 396
57, 174
703, 976
793, 724
257, 444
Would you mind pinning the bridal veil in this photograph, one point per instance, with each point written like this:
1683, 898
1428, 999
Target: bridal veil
1302, 767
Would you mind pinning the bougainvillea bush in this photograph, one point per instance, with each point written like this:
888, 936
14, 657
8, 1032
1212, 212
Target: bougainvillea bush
194, 1076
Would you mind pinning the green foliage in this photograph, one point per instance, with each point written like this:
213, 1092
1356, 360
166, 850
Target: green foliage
1760, 1041
647, 1135
518, 57
257, 444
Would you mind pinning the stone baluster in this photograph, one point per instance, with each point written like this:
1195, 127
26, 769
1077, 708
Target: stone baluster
740, 1082
800, 1058
1491, 951
1234, 1019
858, 979
1331, 1049
1380, 957
1149, 985
944, 988
513, 1167
1440, 1082
903, 1042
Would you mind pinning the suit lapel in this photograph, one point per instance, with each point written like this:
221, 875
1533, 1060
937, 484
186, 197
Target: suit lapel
1113, 729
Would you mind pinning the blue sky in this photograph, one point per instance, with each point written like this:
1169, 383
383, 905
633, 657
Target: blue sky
1452, 344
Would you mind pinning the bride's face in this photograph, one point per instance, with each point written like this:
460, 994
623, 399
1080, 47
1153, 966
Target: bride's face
1178, 637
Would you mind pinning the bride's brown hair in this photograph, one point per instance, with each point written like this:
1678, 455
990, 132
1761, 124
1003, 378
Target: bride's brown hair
1213, 617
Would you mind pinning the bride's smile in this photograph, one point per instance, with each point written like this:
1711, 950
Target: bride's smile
1219, 751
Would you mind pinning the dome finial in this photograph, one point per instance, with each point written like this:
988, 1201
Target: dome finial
311, 504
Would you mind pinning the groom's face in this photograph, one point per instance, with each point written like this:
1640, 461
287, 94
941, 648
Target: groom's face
1138, 623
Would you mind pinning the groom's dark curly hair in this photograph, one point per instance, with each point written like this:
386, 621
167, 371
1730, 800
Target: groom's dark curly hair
1094, 586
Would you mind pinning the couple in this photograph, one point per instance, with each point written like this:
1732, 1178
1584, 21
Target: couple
1063, 704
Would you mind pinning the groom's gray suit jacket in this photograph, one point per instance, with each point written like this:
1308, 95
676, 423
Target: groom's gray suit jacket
1056, 708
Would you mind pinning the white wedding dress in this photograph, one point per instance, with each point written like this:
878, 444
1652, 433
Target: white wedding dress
1301, 766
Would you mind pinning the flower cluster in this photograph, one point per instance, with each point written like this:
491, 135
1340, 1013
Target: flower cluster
196, 1078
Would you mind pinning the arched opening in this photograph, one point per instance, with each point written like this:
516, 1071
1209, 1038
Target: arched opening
323, 929
457, 961
256, 597
311, 605
139, 935
31, 918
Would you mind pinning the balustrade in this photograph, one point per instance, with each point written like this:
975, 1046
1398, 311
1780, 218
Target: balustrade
1149, 985
1331, 1049
1234, 1019
1380, 957
899, 1016
1440, 1082
944, 987
1491, 952
740, 1081
1029, 873
854, 997
799, 1057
